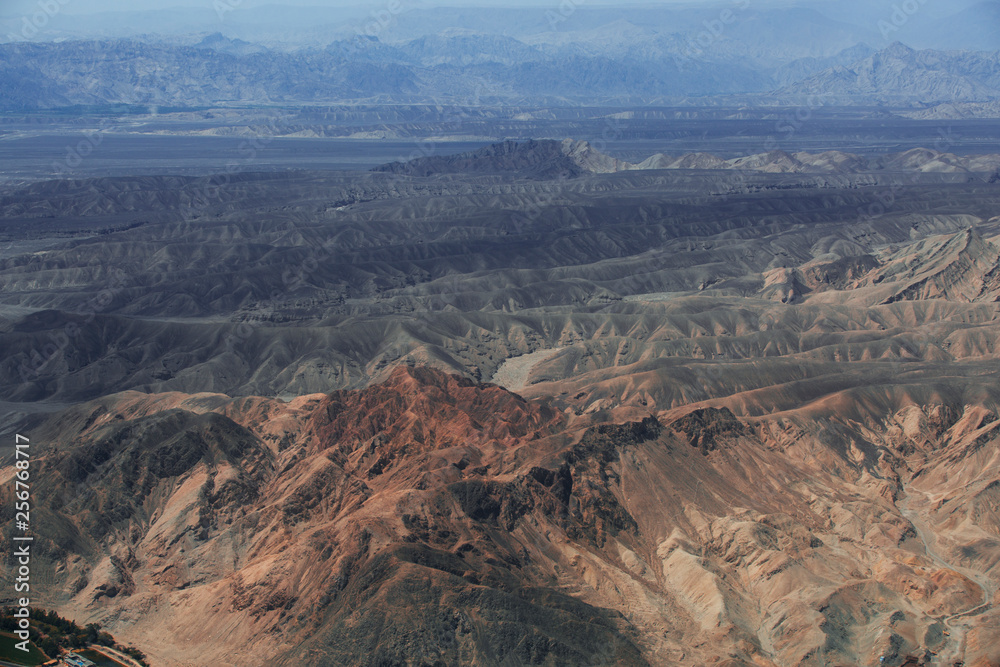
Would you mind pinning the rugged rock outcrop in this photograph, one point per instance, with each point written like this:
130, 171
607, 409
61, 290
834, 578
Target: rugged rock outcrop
433, 520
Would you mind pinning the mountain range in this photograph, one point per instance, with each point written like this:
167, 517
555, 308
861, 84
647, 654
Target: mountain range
433, 518
521, 405
762, 29
470, 68
335, 343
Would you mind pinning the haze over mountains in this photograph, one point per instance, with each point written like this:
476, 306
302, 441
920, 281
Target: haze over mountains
476, 71
550, 335
569, 55
771, 29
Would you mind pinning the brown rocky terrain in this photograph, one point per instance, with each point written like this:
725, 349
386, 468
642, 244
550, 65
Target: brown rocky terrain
431, 520
753, 419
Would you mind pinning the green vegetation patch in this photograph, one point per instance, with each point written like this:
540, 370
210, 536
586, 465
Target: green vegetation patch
7, 651
100, 659
52, 634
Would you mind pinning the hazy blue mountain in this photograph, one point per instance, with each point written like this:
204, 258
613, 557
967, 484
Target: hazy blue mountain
803, 68
763, 29
778, 36
466, 48
463, 67
235, 47
130, 71
899, 73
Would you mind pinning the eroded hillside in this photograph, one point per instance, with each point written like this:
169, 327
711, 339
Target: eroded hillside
430, 519
755, 419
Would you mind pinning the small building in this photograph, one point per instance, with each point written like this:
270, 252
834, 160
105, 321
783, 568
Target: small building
76, 660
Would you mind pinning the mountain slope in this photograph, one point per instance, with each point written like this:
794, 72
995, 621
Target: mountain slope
433, 519
756, 421
641, 67
899, 73
178, 500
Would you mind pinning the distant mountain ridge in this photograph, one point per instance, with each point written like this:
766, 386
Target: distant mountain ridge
900, 73
470, 68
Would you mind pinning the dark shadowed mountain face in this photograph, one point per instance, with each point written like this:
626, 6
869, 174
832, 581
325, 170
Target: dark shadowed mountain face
544, 160
549, 160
